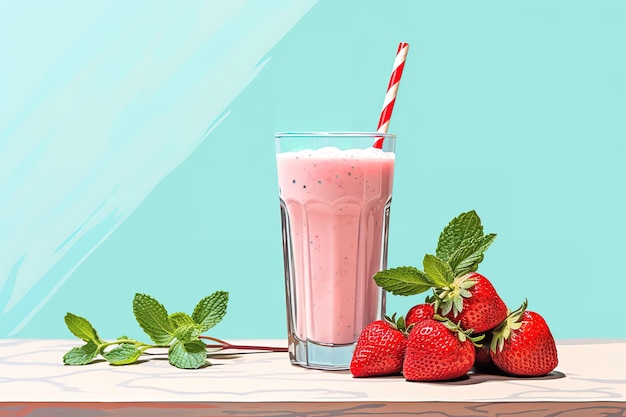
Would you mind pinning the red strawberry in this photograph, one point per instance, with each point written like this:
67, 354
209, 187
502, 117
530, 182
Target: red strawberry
418, 313
379, 349
436, 351
472, 301
483, 361
523, 345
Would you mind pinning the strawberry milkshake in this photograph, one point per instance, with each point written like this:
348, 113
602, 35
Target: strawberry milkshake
335, 195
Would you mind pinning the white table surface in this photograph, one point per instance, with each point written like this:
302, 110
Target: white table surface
31, 371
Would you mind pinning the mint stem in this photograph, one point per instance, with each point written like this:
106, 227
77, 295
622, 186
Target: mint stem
225, 345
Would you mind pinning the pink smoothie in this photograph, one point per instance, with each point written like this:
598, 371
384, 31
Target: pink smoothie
337, 206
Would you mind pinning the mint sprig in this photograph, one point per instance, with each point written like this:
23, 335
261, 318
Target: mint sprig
123, 354
187, 355
462, 243
438, 270
468, 255
460, 231
404, 280
210, 311
460, 249
81, 355
152, 318
179, 332
81, 328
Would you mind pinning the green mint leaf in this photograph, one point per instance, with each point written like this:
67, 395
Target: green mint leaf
191, 355
180, 319
405, 280
81, 328
467, 257
464, 227
438, 271
81, 355
210, 310
188, 332
185, 329
153, 319
123, 354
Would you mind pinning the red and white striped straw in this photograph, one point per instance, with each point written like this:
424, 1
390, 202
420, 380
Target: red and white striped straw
392, 91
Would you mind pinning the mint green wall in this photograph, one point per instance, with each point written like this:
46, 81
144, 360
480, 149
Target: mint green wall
515, 109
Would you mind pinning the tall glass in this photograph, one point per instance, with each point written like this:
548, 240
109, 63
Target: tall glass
335, 196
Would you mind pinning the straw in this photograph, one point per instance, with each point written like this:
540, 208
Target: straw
392, 91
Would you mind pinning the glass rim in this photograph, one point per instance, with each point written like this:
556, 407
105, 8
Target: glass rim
333, 134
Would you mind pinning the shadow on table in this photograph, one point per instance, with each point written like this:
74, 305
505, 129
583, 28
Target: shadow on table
480, 377
472, 377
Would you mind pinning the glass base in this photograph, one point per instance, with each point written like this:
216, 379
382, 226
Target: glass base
316, 355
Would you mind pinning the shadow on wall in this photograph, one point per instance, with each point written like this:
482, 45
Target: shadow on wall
105, 107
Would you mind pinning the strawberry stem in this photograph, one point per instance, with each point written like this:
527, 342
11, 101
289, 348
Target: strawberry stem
225, 345
513, 321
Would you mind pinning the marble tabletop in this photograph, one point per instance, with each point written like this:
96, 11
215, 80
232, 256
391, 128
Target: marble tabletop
590, 378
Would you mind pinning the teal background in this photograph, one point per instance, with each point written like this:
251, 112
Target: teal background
514, 109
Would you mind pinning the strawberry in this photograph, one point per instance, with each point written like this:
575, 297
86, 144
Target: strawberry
472, 301
483, 361
437, 350
459, 292
418, 313
523, 344
380, 348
